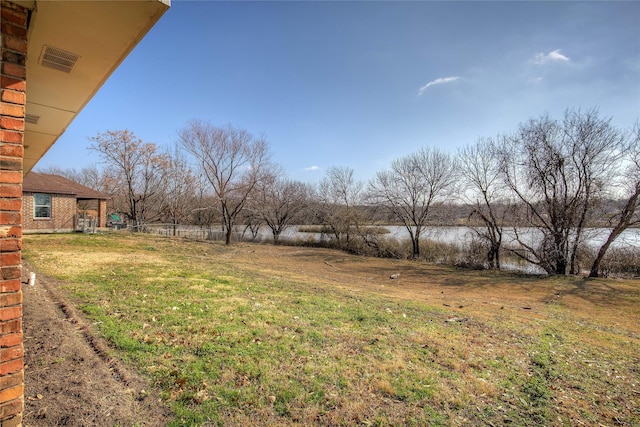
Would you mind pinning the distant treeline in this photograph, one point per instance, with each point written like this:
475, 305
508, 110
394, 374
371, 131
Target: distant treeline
558, 176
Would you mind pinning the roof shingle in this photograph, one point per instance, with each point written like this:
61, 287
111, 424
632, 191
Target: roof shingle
55, 184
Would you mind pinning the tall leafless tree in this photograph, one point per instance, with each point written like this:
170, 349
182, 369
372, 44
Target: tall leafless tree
629, 215
482, 186
411, 186
179, 190
558, 170
280, 203
137, 168
339, 196
233, 162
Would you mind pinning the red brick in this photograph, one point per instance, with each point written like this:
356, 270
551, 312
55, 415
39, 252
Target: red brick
10, 258
12, 96
11, 123
10, 408
10, 313
10, 177
14, 151
15, 16
10, 217
13, 30
10, 164
11, 366
12, 353
9, 299
14, 110
10, 245
10, 272
11, 393
11, 327
10, 231
15, 43
15, 70
13, 83
10, 190
11, 205
9, 136
12, 380
11, 340
12, 285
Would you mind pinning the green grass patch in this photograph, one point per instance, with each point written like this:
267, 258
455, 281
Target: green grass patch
229, 343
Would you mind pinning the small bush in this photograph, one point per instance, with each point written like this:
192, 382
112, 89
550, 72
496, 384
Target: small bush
474, 256
624, 262
440, 252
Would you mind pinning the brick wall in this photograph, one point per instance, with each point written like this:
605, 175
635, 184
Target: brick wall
102, 213
13, 35
63, 211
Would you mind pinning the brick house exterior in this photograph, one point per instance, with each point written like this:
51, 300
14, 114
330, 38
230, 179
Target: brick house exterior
33, 116
12, 113
69, 203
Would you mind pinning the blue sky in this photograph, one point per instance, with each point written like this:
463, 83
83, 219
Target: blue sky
359, 84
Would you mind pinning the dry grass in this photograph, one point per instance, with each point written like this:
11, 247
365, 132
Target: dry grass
263, 335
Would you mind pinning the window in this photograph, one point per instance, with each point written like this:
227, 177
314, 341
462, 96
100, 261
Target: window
42, 205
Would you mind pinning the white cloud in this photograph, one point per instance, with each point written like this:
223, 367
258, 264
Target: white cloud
312, 168
553, 56
439, 81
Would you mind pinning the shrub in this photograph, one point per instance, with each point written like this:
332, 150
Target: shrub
474, 256
624, 262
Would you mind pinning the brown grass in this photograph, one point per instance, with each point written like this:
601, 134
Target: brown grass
321, 337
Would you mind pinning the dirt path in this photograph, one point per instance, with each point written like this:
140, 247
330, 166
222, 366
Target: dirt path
70, 379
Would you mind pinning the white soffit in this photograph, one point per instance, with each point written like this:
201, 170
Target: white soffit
74, 46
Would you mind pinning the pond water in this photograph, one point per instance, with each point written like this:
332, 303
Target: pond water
593, 237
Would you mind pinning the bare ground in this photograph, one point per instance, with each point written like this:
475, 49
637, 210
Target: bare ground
70, 379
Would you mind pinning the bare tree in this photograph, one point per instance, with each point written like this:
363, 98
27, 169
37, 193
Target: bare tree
628, 216
179, 190
69, 173
410, 188
339, 197
90, 176
233, 162
485, 191
598, 149
558, 170
136, 168
280, 203
204, 211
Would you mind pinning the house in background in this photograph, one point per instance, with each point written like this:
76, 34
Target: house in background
53, 204
55, 56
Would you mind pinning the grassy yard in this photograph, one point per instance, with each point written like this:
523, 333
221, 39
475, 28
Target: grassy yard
261, 335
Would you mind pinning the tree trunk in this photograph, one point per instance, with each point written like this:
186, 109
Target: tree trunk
595, 267
416, 247
624, 222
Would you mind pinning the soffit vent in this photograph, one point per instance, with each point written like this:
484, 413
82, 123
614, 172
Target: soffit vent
33, 119
58, 59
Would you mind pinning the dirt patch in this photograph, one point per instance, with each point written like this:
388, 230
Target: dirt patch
481, 294
70, 379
